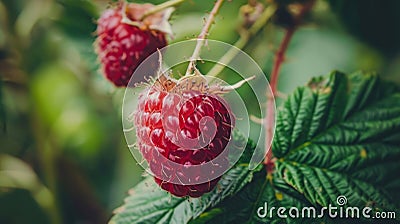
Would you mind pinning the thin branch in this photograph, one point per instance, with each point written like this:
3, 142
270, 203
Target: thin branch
270, 114
243, 40
161, 7
279, 58
203, 35
278, 61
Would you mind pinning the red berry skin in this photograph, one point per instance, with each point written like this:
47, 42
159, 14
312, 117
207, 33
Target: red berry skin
122, 47
162, 118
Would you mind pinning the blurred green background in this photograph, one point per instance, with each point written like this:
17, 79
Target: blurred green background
63, 157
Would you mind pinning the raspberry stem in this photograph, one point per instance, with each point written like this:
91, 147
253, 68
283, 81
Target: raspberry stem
244, 39
278, 61
161, 7
270, 112
203, 35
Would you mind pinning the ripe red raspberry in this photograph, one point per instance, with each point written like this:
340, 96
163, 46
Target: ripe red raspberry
123, 42
175, 131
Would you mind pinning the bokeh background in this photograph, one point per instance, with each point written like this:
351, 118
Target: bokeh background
63, 157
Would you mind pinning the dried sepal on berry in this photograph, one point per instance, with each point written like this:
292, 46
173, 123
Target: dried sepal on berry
133, 15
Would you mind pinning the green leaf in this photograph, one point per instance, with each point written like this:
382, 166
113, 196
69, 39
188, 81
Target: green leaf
337, 136
341, 136
147, 203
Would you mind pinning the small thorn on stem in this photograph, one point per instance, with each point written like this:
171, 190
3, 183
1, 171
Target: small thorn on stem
281, 95
256, 120
225, 89
202, 36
